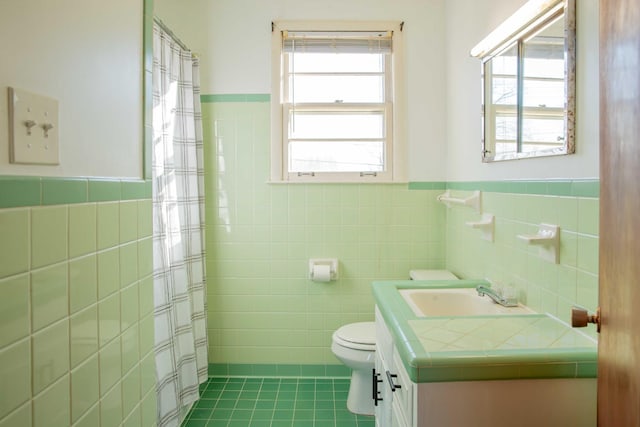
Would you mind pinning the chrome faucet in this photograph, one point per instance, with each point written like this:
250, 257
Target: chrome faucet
498, 297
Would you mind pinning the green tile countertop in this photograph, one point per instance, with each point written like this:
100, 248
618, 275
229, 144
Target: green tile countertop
471, 348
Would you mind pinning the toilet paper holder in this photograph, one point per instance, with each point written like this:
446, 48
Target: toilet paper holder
332, 263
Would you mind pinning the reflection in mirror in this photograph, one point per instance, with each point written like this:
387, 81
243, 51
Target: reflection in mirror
528, 88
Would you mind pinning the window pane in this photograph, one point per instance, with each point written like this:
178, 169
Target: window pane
543, 72
545, 130
332, 88
544, 54
505, 91
338, 125
506, 63
503, 70
505, 147
544, 89
336, 156
543, 93
506, 128
336, 63
543, 67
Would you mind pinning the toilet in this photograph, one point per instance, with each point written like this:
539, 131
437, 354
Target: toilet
354, 345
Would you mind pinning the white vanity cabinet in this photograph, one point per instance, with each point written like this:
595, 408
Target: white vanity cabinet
390, 382
556, 402
403, 392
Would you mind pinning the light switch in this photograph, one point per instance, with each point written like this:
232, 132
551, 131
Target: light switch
33, 128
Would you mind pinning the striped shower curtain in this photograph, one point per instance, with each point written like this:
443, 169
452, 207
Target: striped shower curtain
178, 229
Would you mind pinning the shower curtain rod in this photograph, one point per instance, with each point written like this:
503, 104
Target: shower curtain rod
171, 33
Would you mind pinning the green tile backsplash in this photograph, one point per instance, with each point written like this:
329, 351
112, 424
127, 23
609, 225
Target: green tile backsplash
544, 286
84, 387
108, 224
14, 228
50, 355
15, 368
264, 311
101, 191
76, 300
20, 191
61, 191
49, 295
108, 272
52, 406
550, 187
128, 264
128, 221
83, 283
48, 235
82, 226
14, 309
83, 331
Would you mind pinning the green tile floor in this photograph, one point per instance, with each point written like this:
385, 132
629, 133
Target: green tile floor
274, 402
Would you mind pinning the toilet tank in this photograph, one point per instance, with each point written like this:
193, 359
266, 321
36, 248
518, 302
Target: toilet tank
432, 275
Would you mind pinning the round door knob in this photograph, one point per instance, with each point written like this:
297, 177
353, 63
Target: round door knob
581, 318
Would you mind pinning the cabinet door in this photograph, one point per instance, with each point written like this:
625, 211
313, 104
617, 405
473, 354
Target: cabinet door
397, 416
383, 406
404, 388
395, 387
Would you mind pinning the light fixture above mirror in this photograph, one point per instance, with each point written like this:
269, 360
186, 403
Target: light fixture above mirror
528, 74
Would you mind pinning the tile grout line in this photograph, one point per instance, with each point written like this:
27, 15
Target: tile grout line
322, 394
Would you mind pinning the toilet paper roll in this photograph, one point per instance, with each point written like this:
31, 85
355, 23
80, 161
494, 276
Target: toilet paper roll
321, 273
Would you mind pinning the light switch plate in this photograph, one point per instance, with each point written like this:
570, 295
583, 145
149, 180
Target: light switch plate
33, 128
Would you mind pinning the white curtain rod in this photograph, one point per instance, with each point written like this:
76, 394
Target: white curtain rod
171, 33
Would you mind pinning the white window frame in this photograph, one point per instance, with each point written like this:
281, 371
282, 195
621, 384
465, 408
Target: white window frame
395, 144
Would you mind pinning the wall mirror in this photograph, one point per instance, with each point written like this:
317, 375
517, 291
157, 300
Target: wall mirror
528, 83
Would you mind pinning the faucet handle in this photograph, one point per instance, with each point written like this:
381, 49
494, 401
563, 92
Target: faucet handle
509, 293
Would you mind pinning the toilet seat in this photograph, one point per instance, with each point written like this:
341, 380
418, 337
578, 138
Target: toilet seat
358, 336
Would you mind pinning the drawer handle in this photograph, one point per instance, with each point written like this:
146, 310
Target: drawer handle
374, 388
390, 378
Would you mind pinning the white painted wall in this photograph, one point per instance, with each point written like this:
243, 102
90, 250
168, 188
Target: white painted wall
443, 82
233, 40
87, 55
468, 22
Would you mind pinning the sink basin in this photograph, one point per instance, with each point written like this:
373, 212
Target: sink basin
455, 302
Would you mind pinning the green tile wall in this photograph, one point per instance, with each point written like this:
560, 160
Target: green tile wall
61, 364
76, 303
544, 286
262, 308
264, 314
21, 191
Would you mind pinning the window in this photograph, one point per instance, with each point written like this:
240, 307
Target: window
527, 94
529, 83
335, 102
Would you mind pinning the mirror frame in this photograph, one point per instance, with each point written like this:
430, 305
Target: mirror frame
524, 23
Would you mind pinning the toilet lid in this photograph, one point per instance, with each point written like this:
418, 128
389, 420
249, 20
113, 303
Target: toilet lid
358, 333
432, 275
